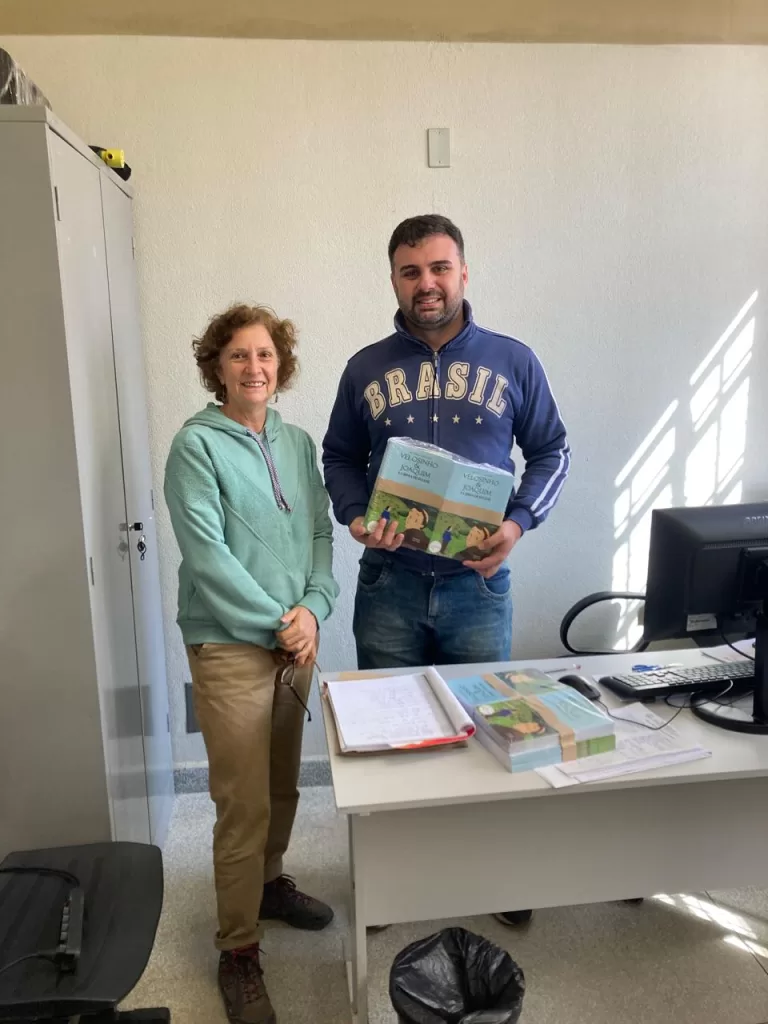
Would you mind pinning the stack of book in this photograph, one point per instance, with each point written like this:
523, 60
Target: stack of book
442, 504
528, 720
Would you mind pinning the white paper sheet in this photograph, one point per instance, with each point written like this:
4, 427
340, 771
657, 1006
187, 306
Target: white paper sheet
631, 718
390, 711
460, 720
637, 750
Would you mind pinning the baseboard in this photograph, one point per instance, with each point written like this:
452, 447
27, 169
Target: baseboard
194, 778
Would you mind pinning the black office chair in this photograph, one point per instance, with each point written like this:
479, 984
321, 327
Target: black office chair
77, 925
586, 602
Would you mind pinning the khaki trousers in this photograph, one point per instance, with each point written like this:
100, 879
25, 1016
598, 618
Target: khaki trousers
252, 727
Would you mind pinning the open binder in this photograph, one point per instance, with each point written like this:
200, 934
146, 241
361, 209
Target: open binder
406, 712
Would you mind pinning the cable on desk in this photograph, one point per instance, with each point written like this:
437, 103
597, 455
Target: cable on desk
681, 707
733, 647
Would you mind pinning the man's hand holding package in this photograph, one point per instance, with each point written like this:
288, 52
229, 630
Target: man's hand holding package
384, 536
498, 546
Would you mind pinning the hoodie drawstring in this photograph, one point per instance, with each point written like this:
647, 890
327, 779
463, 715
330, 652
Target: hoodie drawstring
266, 451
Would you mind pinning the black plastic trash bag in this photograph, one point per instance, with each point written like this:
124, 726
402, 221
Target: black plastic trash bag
456, 977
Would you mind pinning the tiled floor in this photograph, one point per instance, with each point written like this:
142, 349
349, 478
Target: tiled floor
683, 959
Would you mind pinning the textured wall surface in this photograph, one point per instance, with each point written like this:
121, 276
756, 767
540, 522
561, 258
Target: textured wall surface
614, 205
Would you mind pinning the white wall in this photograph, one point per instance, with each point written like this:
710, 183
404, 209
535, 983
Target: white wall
614, 205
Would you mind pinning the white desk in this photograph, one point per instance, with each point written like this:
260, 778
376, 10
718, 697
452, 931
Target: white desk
451, 833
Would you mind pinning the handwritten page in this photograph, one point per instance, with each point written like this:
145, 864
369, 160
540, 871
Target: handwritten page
374, 714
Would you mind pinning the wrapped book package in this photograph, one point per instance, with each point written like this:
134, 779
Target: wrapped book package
443, 504
527, 720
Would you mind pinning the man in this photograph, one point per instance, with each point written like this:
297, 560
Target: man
443, 379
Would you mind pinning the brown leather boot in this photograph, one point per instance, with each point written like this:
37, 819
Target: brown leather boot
241, 981
282, 901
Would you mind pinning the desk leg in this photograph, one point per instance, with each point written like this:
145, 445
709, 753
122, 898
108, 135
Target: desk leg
357, 938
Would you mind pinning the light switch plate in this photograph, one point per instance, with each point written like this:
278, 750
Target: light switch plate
439, 147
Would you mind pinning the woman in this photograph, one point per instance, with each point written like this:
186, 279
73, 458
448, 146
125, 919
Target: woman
250, 515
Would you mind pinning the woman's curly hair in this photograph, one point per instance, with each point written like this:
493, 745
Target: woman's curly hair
221, 330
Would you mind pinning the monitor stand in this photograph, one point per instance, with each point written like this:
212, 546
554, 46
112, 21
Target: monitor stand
736, 716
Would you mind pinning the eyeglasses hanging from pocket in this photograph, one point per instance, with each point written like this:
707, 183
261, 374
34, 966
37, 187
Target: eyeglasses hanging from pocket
286, 677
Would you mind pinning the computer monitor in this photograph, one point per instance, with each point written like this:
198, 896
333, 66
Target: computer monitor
708, 576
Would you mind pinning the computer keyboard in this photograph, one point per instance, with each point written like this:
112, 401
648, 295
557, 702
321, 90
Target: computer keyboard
705, 679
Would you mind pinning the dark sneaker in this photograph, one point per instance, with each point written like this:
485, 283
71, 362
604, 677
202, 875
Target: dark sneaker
514, 918
282, 901
241, 981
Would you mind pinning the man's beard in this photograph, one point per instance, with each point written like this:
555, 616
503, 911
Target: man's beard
432, 319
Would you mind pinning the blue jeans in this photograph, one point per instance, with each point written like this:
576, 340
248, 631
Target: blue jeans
405, 618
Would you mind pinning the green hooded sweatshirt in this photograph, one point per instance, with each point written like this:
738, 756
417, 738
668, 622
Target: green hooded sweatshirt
255, 538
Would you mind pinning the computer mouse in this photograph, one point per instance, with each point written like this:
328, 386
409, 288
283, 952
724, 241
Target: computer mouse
581, 685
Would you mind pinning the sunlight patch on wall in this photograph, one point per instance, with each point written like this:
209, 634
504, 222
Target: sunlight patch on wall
693, 455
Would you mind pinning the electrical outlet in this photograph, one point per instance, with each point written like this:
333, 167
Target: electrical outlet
439, 147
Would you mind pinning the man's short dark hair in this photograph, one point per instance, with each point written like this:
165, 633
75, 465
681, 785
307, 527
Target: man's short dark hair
416, 229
